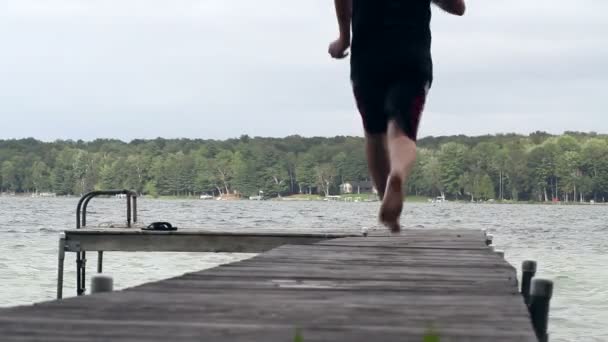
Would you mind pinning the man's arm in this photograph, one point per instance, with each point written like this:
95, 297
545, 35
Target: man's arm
456, 7
344, 8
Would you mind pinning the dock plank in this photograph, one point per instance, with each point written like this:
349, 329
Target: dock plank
385, 288
244, 240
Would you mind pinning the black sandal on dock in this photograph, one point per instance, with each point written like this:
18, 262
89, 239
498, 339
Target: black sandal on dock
162, 226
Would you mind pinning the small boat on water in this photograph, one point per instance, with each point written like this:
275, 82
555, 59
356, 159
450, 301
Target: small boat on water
228, 197
438, 199
206, 197
44, 194
259, 197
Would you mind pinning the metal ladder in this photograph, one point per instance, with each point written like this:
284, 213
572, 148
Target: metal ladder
81, 222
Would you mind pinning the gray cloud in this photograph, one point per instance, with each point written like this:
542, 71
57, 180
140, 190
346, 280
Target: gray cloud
217, 69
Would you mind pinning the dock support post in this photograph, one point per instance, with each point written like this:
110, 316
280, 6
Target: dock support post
84, 271
540, 296
78, 274
134, 209
61, 262
101, 283
99, 262
528, 271
128, 210
81, 262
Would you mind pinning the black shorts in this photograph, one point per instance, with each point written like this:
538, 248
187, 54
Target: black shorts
382, 97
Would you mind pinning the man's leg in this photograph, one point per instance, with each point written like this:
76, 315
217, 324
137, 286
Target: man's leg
378, 162
402, 154
370, 96
401, 141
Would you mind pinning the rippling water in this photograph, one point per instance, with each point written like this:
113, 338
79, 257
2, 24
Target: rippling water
569, 243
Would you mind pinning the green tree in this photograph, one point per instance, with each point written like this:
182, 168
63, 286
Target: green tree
41, 176
305, 173
62, 176
515, 169
486, 188
432, 180
326, 174
137, 172
594, 162
569, 173
223, 165
452, 166
10, 180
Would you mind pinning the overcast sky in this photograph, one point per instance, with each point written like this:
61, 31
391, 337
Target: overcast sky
85, 69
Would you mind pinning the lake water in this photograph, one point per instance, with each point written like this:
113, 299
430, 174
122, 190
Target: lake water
568, 242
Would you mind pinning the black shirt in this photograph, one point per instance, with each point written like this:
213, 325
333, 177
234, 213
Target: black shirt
389, 35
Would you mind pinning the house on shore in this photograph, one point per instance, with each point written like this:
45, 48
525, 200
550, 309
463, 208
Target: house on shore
363, 187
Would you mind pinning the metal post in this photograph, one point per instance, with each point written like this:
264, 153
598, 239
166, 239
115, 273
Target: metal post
134, 208
99, 261
101, 283
78, 273
83, 284
528, 271
79, 208
540, 296
83, 213
81, 262
61, 259
129, 210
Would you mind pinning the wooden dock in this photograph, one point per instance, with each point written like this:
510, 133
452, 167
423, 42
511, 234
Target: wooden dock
243, 240
444, 283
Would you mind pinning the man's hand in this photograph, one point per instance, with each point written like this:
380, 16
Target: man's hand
456, 7
337, 48
344, 10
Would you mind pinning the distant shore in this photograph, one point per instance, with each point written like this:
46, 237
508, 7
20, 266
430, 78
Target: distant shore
352, 198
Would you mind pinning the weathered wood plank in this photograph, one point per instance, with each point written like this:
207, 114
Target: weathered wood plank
189, 240
135, 331
418, 238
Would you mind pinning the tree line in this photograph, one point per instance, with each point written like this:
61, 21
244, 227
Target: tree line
538, 167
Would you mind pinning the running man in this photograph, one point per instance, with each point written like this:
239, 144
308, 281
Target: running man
391, 73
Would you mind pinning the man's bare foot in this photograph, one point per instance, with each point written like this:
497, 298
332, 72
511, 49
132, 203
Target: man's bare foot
456, 7
392, 204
